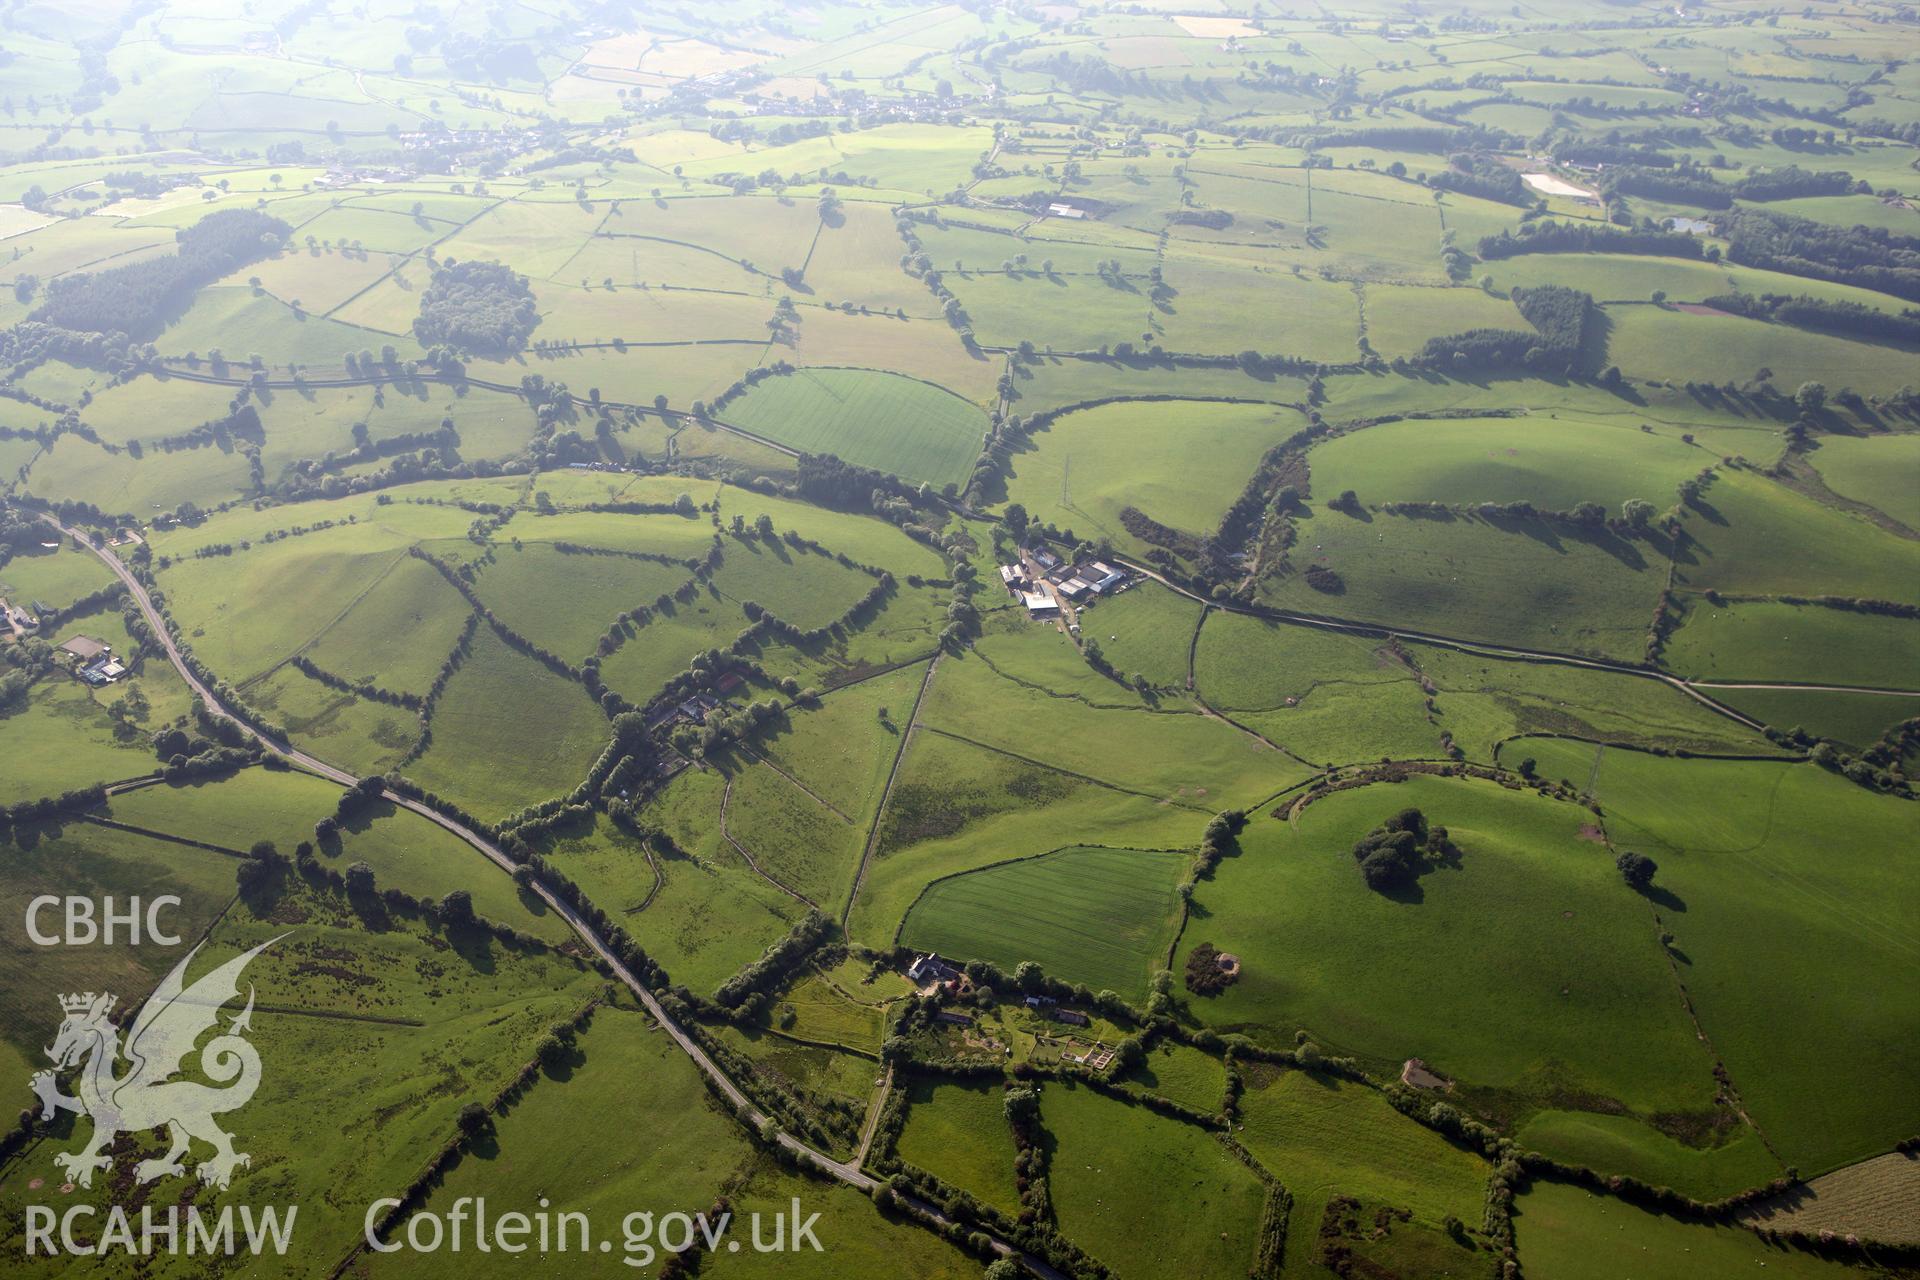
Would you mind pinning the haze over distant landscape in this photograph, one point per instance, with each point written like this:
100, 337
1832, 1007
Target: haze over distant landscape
1175, 640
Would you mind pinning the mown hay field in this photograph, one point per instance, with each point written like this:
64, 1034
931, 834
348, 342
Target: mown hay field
1103, 917
911, 428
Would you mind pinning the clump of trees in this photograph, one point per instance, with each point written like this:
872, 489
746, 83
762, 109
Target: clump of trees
1636, 868
1399, 850
484, 308
1559, 314
1205, 976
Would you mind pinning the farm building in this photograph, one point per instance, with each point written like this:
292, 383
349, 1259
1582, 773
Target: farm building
931, 968
1045, 558
1075, 587
1072, 1017
1013, 576
1060, 209
85, 648
1040, 604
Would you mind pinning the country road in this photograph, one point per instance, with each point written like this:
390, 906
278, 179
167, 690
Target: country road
848, 1172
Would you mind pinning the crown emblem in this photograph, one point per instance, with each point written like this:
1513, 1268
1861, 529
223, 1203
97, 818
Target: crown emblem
79, 1003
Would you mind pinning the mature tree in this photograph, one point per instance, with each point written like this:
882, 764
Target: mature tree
1636, 868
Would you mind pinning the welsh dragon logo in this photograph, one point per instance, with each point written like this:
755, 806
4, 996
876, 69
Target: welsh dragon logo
148, 1096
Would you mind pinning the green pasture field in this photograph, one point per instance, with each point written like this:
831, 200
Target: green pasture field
1570, 1233
537, 239
1621, 1145
770, 233
1881, 471
416, 513
565, 602
1630, 278
74, 470
1244, 663
1850, 211
972, 240
1769, 640
1080, 312
508, 732
798, 841
353, 733
53, 579
865, 538
1174, 757
1592, 1010
957, 1131
926, 349
1186, 1075
1756, 537
1219, 308
624, 1071
280, 805
1759, 862
840, 750
1110, 1174
857, 260
662, 649
956, 807
1521, 581
711, 916
1659, 342
275, 330
682, 537
322, 278
1046, 657
1857, 719
58, 738
1485, 702
1323, 1136
807, 588
1181, 462
245, 613
397, 635
1103, 917
1554, 462
1400, 318
630, 259
589, 312
1054, 382
1145, 629
78, 858
911, 157
419, 857
153, 406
